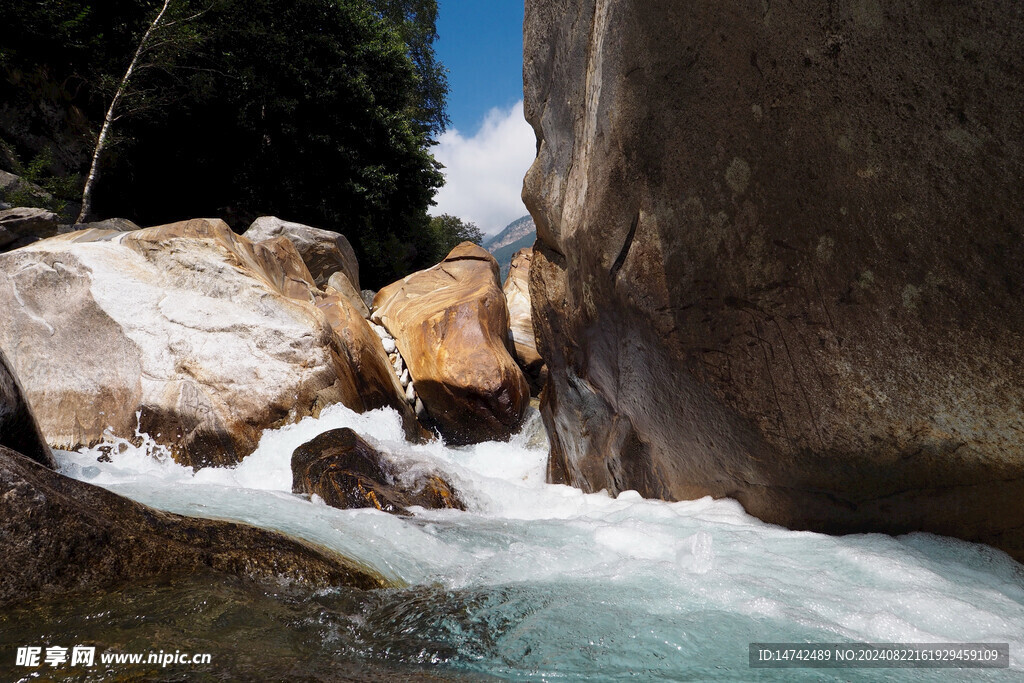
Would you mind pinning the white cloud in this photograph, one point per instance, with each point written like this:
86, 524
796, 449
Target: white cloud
485, 172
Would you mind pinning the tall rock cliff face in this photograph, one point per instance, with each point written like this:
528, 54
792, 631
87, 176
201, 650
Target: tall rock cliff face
780, 256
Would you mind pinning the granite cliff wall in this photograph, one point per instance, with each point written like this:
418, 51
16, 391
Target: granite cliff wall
780, 256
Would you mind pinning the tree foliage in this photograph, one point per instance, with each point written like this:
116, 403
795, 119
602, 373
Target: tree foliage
319, 111
448, 231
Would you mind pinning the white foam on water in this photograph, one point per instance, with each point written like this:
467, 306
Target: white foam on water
639, 578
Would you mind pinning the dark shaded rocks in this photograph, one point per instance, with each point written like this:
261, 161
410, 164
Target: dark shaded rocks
450, 323
24, 225
323, 251
779, 257
58, 534
346, 472
187, 331
18, 428
517, 297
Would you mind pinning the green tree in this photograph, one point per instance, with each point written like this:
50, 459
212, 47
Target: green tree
416, 21
448, 231
319, 111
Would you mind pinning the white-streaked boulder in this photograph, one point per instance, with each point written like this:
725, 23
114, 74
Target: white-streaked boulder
188, 332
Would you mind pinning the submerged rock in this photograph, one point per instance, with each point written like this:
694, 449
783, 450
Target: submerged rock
451, 324
189, 332
18, 428
323, 251
779, 257
58, 534
517, 297
346, 472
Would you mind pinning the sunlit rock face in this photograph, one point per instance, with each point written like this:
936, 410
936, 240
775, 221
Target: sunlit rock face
18, 428
451, 325
324, 252
346, 472
188, 332
779, 257
517, 297
58, 535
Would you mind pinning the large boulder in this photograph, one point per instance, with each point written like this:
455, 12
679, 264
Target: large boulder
779, 257
517, 298
346, 472
323, 251
18, 428
450, 323
188, 332
58, 534
23, 225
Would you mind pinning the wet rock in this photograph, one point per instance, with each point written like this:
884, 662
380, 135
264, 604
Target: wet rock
20, 225
517, 297
346, 472
779, 257
208, 337
450, 323
18, 428
58, 535
323, 251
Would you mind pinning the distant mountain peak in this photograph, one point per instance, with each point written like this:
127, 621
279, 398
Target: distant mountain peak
520, 233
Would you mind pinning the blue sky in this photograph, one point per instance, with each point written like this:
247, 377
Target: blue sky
489, 146
481, 43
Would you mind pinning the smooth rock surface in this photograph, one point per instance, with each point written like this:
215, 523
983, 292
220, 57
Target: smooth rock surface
517, 297
346, 472
367, 380
323, 251
189, 332
780, 259
18, 428
450, 323
118, 224
339, 282
58, 535
22, 223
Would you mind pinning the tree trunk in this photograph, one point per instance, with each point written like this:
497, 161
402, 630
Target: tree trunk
108, 120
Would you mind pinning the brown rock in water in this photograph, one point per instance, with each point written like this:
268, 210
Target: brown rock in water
58, 534
18, 428
451, 324
208, 337
780, 259
517, 297
344, 470
368, 381
323, 251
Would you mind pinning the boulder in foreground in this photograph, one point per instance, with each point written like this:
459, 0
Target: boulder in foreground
779, 257
187, 331
58, 534
346, 472
451, 324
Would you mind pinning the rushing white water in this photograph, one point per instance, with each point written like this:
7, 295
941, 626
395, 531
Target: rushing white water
543, 581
